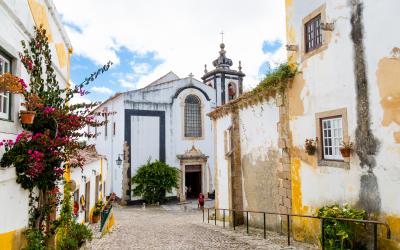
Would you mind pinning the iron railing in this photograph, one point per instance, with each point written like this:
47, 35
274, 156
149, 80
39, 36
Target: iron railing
288, 217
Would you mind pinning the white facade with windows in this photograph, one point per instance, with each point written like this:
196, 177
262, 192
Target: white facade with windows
347, 90
167, 121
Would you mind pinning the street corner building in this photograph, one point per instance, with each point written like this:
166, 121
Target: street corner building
346, 90
167, 121
18, 19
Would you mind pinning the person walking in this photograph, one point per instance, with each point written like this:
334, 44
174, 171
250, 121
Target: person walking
200, 201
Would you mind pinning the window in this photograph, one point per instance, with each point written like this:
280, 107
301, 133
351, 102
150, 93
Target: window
105, 129
5, 98
105, 110
113, 128
192, 116
332, 137
313, 35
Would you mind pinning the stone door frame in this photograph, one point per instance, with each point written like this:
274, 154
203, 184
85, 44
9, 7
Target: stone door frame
184, 163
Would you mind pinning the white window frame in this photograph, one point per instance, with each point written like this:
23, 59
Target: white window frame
5, 105
332, 137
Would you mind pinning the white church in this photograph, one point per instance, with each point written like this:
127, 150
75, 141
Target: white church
167, 120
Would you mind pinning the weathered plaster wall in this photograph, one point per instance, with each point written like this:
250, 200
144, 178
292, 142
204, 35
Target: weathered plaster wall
260, 157
327, 81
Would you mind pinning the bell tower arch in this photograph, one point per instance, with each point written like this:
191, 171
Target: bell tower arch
228, 83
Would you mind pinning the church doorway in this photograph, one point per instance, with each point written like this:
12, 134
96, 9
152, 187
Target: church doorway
192, 181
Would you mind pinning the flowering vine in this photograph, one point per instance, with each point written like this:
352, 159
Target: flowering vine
42, 151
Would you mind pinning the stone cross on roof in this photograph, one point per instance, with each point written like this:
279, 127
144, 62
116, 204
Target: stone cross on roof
222, 36
190, 78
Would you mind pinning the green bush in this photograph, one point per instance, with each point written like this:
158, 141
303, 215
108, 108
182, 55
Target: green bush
35, 238
340, 234
76, 235
153, 180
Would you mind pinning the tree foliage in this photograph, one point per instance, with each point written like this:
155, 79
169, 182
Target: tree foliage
153, 180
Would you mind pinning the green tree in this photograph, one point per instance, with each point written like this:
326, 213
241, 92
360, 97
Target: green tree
153, 180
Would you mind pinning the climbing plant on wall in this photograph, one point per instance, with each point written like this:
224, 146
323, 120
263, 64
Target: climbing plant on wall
43, 150
277, 79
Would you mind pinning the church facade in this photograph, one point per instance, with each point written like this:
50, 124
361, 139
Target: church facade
167, 121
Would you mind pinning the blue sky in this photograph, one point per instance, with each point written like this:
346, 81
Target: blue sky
122, 76
130, 68
126, 73
147, 39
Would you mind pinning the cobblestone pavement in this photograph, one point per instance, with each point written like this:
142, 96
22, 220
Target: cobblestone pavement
173, 227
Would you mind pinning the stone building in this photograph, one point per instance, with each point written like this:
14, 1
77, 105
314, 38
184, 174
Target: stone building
166, 121
346, 90
18, 19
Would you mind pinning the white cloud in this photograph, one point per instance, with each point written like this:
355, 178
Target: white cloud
102, 90
140, 68
79, 99
184, 34
127, 84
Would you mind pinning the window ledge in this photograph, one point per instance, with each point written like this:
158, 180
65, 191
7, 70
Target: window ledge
6, 120
193, 138
334, 163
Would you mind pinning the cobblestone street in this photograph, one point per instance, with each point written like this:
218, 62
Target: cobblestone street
171, 227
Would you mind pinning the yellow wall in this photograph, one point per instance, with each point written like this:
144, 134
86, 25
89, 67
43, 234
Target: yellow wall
12, 240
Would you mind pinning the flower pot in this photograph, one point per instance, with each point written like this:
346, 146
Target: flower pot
95, 218
311, 150
27, 116
345, 152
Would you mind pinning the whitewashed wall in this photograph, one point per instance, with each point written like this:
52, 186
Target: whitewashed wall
327, 82
221, 126
14, 211
161, 97
111, 146
260, 155
205, 144
77, 174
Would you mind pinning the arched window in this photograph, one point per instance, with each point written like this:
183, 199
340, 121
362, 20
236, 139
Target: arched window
192, 116
231, 91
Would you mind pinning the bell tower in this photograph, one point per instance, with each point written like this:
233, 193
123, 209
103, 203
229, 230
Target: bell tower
228, 83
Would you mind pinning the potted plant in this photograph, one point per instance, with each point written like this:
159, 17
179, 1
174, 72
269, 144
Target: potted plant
32, 102
13, 84
346, 149
311, 146
96, 215
97, 212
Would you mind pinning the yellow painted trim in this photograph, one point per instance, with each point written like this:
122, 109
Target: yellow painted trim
110, 222
7, 239
67, 173
14, 239
40, 17
62, 57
